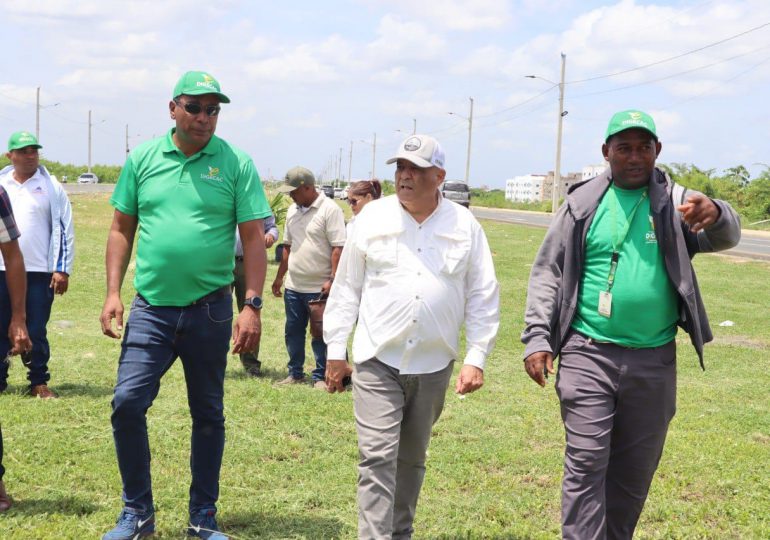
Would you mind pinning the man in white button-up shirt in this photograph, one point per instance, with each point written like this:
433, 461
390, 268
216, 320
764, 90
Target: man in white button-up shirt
415, 268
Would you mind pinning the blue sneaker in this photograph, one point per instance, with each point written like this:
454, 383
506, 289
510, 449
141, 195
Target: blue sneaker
132, 525
203, 524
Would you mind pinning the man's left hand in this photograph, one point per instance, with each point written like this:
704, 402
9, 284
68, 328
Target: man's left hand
326, 287
247, 331
469, 380
269, 241
699, 212
59, 282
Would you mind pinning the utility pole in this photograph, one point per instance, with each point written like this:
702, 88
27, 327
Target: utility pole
126, 140
414, 126
350, 163
557, 169
37, 116
339, 169
89, 140
374, 152
470, 132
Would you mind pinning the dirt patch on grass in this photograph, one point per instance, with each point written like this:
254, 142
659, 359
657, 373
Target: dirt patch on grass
741, 341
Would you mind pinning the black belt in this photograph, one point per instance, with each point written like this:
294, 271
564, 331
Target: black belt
219, 293
210, 297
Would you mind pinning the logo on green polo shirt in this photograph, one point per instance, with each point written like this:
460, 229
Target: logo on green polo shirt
212, 175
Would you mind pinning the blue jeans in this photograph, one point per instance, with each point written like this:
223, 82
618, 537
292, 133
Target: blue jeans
39, 302
154, 337
297, 317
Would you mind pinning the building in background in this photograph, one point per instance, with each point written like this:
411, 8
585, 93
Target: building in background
535, 188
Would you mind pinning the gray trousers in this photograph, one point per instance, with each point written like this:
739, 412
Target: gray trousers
394, 416
250, 360
616, 404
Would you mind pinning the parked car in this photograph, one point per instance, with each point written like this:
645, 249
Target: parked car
457, 191
344, 195
338, 193
88, 178
328, 191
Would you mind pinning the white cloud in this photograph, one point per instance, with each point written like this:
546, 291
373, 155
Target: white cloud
455, 14
402, 41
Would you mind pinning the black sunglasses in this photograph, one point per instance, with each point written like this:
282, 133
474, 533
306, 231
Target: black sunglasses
196, 108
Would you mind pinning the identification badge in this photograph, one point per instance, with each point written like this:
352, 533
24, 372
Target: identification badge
605, 304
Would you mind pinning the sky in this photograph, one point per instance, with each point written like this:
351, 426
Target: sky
309, 80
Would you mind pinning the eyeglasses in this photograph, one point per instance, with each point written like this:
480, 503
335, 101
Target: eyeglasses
353, 202
196, 108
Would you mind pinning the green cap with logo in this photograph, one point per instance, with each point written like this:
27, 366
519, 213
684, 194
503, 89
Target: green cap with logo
631, 119
22, 139
197, 83
296, 177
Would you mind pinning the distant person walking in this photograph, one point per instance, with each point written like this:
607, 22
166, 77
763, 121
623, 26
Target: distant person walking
250, 359
13, 287
44, 218
415, 268
186, 193
608, 288
313, 238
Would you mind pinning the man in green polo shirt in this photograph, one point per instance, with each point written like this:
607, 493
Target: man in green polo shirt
609, 286
186, 193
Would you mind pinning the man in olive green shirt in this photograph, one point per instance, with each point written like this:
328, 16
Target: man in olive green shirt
186, 193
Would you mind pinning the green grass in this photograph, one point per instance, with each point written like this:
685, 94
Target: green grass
290, 460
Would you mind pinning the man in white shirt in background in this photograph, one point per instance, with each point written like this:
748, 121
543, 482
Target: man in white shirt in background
414, 269
44, 218
313, 237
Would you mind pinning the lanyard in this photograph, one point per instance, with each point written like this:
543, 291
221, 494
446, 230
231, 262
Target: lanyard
617, 241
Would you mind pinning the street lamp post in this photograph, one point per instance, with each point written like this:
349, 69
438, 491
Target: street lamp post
37, 113
562, 114
470, 133
374, 152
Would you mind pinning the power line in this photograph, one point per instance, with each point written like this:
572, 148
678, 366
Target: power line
671, 76
518, 104
645, 66
715, 86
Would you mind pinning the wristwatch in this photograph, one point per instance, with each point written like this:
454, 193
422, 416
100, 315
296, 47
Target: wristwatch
253, 302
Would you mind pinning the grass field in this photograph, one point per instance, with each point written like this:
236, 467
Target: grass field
290, 460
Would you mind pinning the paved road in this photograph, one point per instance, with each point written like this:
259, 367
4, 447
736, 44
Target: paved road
753, 244
79, 189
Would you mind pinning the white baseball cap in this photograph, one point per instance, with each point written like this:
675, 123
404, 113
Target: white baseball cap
422, 150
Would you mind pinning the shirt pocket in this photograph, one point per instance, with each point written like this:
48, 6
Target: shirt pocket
456, 253
382, 253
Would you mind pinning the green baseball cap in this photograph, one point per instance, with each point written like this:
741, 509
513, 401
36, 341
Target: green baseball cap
22, 139
296, 177
197, 83
631, 119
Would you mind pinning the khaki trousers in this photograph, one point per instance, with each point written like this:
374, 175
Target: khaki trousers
394, 417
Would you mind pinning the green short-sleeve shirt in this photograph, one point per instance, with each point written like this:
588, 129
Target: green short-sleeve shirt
645, 306
188, 209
